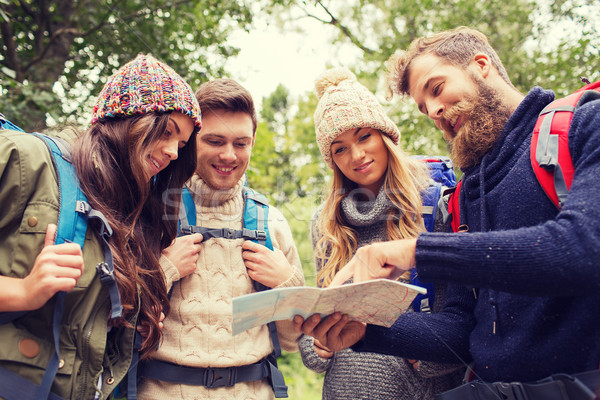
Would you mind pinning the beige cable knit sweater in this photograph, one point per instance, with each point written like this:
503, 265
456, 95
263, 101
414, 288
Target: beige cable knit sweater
197, 331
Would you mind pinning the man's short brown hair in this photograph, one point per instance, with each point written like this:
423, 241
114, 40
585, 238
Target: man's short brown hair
457, 46
225, 94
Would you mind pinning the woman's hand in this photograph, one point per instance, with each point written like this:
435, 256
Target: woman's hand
321, 350
57, 268
335, 332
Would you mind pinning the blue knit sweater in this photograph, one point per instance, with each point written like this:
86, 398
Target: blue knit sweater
537, 310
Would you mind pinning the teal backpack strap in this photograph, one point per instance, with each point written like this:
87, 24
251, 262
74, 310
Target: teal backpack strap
187, 212
72, 226
6, 124
255, 228
256, 217
430, 198
74, 214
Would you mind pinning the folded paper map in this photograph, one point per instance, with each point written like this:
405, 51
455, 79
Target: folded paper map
378, 302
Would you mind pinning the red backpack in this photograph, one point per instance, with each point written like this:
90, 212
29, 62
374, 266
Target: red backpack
550, 156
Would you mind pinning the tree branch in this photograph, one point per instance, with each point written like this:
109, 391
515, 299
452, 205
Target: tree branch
53, 38
28, 10
345, 30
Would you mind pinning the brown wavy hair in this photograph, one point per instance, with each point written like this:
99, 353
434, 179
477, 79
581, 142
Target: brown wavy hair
456, 46
404, 182
108, 160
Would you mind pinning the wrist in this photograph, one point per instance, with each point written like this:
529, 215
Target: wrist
14, 293
412, 249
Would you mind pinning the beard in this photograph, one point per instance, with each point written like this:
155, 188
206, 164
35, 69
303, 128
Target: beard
485, 116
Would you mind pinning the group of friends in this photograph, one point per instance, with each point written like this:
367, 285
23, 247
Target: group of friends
517, 295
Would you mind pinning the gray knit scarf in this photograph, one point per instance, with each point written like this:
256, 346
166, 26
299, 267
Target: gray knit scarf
361, 213
368, 217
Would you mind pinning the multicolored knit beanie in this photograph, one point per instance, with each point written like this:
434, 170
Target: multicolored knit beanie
142, 86
346, 104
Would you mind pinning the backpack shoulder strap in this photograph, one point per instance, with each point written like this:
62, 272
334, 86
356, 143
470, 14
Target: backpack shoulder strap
6, 124
72, 218
454, 208
550, 155
430, 199
187, 211
256, 215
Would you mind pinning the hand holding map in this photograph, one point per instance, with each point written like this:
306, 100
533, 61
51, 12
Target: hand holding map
378, 302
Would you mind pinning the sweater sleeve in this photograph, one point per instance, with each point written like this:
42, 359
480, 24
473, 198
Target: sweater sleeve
310, 358
281, 235
558, 257
429, 369
441, 337
169, 270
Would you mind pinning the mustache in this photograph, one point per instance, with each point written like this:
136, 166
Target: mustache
464, 107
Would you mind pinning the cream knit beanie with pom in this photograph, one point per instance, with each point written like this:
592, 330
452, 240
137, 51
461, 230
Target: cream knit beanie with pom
346, 104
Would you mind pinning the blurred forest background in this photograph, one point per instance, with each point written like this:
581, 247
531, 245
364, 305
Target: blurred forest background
56, 55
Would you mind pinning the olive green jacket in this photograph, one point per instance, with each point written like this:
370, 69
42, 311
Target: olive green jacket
28, 203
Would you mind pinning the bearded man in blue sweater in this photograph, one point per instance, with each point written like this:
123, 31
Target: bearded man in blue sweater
524, 298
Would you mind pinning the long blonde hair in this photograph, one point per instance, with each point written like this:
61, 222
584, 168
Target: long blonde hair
404, 182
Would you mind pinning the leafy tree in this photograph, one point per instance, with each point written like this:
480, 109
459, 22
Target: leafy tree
523, 32
286, 162
55, 54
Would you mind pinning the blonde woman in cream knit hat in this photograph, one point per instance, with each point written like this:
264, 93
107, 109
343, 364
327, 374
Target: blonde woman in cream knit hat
375, 195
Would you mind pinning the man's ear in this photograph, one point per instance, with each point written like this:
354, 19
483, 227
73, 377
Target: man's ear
481, 64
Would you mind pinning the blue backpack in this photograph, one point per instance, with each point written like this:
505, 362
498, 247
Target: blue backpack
255, 228
6, 124
72, 225
441, 171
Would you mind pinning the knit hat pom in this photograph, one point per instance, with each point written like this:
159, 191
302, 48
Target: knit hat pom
332, 77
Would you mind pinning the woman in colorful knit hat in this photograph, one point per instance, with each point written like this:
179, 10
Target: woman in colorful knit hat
375, 195
130, 163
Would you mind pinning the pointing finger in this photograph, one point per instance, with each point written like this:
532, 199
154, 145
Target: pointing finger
343, 275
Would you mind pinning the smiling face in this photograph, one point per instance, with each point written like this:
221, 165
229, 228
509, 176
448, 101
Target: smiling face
361, 155
160, 153
469, 112
224, 148
437, 86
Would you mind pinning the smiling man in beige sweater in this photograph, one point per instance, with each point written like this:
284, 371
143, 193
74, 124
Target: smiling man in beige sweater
199, 353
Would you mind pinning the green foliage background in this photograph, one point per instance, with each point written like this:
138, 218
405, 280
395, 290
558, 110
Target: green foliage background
56, 55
